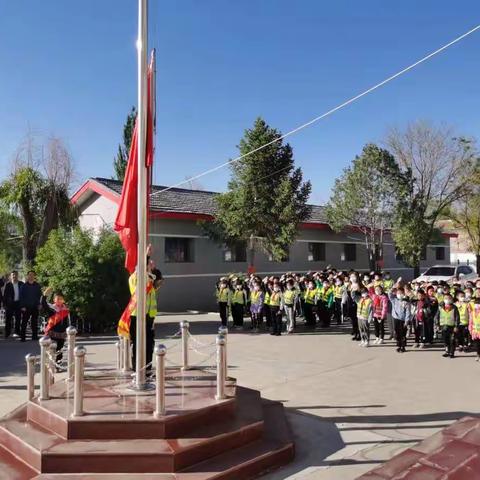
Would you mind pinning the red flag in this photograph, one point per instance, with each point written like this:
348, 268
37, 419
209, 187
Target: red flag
126, 223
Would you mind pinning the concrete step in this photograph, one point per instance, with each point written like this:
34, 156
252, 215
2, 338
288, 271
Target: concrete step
274, 450
48, 452
11, 468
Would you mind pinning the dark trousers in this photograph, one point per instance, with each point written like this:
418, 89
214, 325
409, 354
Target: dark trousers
31, 313
463, 336
400, 332
237, 314
419, 328
338, 310
276, 314
428, 329
309, 314
223, 310
149, 340
12, 319
60, 343
449, 339
323, 314
379, 328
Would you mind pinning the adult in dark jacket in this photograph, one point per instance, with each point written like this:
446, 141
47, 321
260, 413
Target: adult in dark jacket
11, 300
30, 298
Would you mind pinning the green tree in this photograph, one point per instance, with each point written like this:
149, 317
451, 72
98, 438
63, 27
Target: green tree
436, 165
10, 228
465, 214
37, 192
89, 271
121, 159
266, 197
365, 197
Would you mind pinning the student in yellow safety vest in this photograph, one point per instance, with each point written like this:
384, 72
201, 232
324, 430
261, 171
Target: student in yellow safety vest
257, 298
276, 308
238, 302
338, 294
474, 326
223, 294
290, 296
448, 320
464, 310
364, 315
310, 301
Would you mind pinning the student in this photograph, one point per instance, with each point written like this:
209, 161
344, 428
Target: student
266, 302
474, 325
58, 320
364, 315
353, 287
256, 305
290, 299
337, 298
276, 308
223, 294
448, 319
464, 309
429, 330
310, 299
380, 311
400, 314
11, 300
239, 301
420, 317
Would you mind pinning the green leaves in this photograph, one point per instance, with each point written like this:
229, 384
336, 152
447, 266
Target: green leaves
121, 159
266, 197
366, 195
89, 271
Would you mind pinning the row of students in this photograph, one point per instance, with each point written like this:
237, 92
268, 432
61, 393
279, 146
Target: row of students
423, 310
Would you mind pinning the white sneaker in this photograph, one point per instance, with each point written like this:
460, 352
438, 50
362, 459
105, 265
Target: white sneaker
380, 341
366, 344
376, 340
422, 345
361, 343
478, 358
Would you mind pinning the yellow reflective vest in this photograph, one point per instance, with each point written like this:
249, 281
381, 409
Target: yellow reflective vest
463, 312
151, 300
447, 319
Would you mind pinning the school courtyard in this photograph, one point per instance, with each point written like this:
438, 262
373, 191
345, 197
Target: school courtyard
349, 407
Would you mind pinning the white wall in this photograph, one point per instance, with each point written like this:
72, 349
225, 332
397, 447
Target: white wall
98, 212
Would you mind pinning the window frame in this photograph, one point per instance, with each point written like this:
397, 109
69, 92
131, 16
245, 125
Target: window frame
346, 246
437, 251
233, 250
190, 250
311, 253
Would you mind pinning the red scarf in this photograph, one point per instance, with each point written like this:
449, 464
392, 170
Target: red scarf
123, 328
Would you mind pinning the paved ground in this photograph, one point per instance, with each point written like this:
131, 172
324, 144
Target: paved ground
350, 407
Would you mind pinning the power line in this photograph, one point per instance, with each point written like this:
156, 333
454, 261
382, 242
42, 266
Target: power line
329, 112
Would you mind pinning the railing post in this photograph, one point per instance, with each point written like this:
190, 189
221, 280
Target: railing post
53, 362
30, 359
126, 354
223, 331
44, 370
80, 352
220, 368
118, 351
184, 326
160, 351
71, 338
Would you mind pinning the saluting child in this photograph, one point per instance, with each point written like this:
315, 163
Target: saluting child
239, 300
223, 294
256, 305
276, 308
290, 300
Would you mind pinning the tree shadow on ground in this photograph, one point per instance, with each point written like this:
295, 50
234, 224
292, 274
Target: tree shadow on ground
320, 441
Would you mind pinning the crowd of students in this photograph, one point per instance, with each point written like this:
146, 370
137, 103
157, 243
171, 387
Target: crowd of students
424, 311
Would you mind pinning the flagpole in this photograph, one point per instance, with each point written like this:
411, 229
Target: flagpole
142, 196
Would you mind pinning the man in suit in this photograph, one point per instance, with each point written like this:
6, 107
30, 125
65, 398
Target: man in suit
11, 300
30, 297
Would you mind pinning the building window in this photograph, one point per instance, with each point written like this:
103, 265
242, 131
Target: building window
178, 250
423, 255
439, 253
285, 258
316, 252
398, 256
349, 252
235, 253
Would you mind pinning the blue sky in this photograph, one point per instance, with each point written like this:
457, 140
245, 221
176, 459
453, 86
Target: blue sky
69, 69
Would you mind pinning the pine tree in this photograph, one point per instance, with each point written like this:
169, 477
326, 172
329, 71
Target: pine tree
266, 198
121, 160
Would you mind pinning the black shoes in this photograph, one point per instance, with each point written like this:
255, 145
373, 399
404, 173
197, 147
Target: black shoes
445, 355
